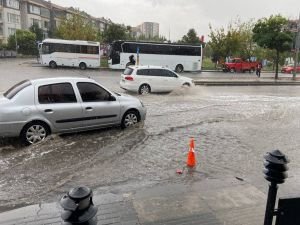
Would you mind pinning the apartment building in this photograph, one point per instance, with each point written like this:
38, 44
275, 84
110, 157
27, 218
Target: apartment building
149, 29
10, 18
22, 14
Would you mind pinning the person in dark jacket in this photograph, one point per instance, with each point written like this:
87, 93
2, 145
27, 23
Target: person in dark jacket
258, 69
132, 60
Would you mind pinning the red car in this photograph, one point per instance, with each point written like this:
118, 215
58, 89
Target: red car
237, 64
290, 69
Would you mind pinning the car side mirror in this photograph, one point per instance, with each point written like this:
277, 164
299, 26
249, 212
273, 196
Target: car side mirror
112, 98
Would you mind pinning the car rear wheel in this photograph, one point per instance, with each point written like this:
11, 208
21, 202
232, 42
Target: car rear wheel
52, 65
82, 66
251, 70
232, 70
144, 89
34, 132
129, 119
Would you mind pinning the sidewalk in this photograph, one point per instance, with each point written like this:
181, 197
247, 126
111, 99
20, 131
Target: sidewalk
238, 81
207, 202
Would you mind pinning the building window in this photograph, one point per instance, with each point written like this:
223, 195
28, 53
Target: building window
1, 29
13, 18
13, 4
35, 21
46, 24
34, 9
11, 31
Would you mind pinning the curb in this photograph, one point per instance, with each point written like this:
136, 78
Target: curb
247, 83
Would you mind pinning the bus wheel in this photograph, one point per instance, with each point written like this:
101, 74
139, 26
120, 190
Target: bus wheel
179, 68
52, 64
82, 66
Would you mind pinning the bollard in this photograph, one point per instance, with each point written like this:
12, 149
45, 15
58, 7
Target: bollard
275, 172
78, 207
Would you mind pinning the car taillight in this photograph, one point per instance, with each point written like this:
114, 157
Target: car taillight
129, 78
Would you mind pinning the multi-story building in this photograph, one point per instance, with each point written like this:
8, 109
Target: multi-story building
10, 18
149, 29
22, 14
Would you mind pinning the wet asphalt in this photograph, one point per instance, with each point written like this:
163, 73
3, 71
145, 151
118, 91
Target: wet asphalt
233, 128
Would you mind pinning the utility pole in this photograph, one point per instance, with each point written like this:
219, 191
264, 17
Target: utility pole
16, 38
297, 46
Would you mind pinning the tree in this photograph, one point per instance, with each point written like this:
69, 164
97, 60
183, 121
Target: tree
77, 27
37, 31
114, 32
191, 37
271, 33
26, 42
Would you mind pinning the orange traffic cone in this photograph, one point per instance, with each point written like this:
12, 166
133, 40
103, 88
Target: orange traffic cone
191, 157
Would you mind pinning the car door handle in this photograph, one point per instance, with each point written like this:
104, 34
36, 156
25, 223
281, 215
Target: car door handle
48, 111
89, 108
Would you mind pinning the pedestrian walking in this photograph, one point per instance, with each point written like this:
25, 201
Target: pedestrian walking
258, 69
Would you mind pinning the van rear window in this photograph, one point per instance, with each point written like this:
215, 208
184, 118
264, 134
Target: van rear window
128, 71
10, 93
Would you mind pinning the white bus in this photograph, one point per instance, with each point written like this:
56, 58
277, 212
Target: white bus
178, 57
82, 54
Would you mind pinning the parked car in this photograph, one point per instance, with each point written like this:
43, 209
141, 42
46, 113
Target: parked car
32, 109
146, 79
237, 64
290, 69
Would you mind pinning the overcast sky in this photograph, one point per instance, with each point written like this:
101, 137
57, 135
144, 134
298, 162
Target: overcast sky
180, 15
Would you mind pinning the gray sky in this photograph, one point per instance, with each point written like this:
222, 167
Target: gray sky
180, 15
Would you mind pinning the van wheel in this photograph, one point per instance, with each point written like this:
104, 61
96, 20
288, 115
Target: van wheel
34, 132
52, 65
179, 68
144, 89
82, 66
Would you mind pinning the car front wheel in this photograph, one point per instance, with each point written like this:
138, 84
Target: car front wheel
34, 132
129, 119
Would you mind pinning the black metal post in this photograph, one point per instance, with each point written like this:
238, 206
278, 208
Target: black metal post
275, 172
271, 203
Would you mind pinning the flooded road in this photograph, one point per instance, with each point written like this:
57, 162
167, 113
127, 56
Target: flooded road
233, 128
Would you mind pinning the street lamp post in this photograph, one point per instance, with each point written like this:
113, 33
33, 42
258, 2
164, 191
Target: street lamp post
16, 39
297, 46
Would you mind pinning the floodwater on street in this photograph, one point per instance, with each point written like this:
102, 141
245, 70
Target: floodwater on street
233, 128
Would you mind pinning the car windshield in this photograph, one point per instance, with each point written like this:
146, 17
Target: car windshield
128, 71
10, 93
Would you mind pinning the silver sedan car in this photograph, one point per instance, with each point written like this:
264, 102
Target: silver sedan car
32, 109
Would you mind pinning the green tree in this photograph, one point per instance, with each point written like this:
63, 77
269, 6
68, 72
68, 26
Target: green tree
77, 27
26, 42
236, 40
114, 32
271, 33
191, 37
37, 31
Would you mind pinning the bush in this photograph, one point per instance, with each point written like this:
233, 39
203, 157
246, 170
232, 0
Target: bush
26, 42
